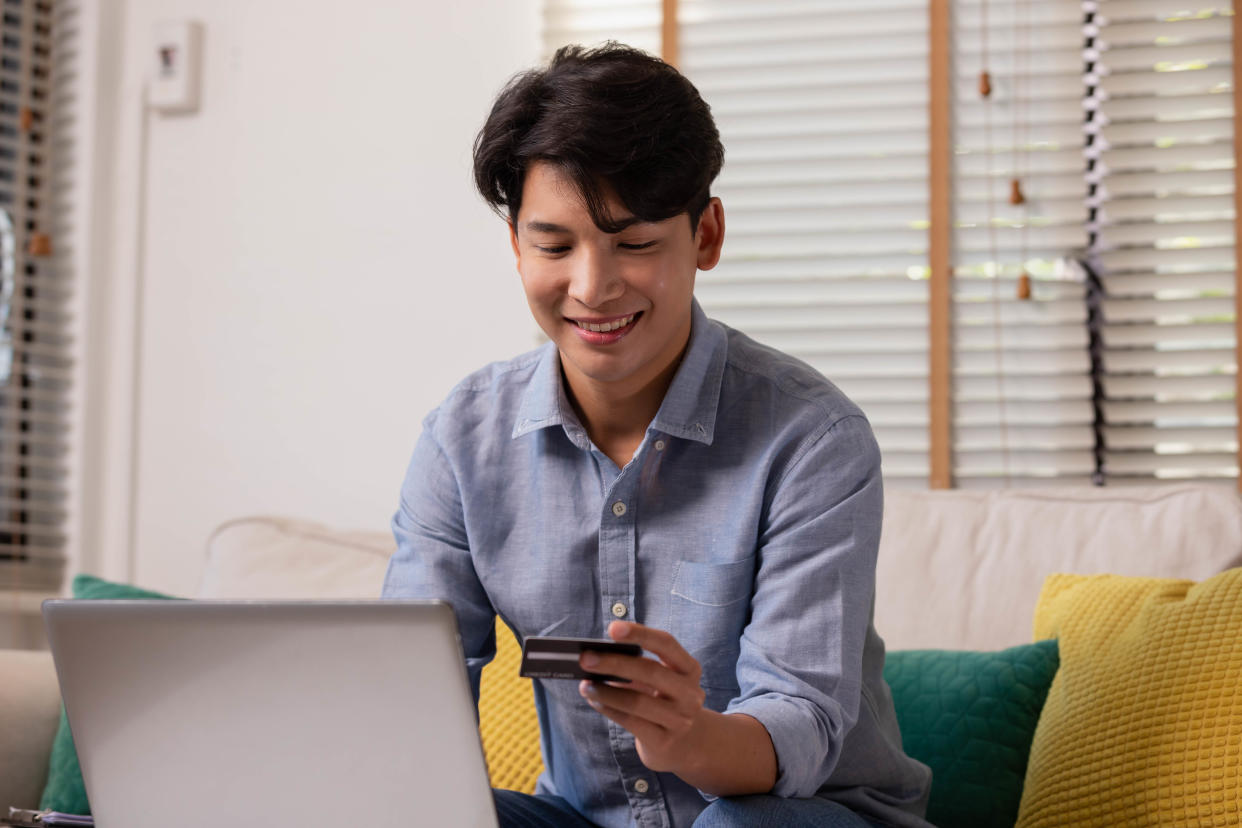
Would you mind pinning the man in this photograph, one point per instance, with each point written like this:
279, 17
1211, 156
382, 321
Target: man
656, 477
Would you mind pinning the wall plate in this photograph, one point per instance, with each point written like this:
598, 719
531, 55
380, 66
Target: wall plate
175, 67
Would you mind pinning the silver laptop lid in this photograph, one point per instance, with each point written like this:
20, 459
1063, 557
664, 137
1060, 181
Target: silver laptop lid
207, 713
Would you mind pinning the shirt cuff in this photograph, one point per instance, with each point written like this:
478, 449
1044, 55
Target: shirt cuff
806, 751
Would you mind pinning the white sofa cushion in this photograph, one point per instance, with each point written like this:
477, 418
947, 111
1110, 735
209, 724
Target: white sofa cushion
279, 558
963, 569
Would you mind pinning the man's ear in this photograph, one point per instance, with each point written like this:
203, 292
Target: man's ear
517, 251
709, 237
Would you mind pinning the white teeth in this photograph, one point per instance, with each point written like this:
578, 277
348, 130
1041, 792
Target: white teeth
607, 326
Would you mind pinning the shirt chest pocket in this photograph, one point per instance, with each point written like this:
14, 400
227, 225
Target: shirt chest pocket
707, 610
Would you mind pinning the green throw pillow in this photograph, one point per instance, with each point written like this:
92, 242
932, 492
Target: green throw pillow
65, 791
971, 717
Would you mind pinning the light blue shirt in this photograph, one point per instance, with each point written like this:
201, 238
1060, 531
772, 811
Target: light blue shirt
746, 524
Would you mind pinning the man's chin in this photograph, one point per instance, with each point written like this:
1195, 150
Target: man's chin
599, 369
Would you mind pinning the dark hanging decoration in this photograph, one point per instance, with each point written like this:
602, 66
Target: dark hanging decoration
1015, 192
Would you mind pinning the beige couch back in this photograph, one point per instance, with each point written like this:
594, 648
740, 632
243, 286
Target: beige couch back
963, 569
957, 569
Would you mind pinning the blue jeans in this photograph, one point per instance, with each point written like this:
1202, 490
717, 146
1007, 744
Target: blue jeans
519, 810
764, 811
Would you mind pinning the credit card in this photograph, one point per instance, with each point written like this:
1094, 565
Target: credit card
555, 657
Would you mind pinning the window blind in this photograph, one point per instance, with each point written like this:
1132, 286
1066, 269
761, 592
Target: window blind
822, 107
1022, 388
1161, 90
34, 338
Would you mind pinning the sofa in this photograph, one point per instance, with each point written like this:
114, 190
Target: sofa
958, 571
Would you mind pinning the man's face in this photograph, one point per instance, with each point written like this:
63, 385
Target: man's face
617, 305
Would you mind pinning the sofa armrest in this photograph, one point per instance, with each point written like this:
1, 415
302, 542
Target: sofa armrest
29, 715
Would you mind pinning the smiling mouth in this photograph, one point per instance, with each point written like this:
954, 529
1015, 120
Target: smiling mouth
606, 327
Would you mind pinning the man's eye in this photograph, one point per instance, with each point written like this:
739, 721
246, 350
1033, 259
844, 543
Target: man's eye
553, 249
635, 245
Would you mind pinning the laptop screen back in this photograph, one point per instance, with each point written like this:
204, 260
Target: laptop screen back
199, 714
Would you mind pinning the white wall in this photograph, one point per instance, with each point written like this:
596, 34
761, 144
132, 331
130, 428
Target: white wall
306, 272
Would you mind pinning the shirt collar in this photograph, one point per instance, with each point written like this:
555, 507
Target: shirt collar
689, 407
544, 402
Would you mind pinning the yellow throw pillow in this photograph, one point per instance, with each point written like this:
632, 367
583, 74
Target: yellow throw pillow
1143, 722
507, 720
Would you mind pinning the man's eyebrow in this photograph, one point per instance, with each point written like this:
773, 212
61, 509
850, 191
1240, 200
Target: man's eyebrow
550, 227
545, 227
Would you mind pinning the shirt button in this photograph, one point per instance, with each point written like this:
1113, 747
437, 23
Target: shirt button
618, 508
618, 609
659, 445
641, 786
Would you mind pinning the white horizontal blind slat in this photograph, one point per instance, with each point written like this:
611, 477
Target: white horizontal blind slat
1146, 32
822, 110
1173, 440
1170, 414
1165, 363
1122, 11
1165, 239
1022, 411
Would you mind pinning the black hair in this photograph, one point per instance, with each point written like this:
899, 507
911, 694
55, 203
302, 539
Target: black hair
614, 119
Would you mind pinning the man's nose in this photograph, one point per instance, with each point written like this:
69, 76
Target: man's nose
593, 280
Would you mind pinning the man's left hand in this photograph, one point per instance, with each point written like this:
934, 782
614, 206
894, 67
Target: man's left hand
662, 704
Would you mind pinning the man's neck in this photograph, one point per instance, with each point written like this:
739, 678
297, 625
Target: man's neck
616, 417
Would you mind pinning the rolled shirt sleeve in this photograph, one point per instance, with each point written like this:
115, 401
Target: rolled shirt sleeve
800, 661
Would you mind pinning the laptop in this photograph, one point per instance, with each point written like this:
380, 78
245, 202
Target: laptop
198, 714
